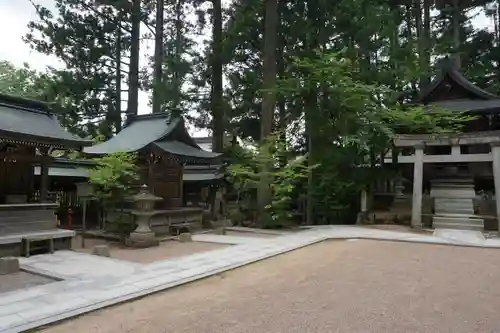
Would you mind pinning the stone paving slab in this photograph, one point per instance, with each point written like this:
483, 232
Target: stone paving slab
95, 282
89, 266
258, 231
225, 239
465, 236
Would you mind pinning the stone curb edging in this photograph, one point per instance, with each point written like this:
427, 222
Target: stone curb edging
49, 275
165, 286
419, 241
134, 295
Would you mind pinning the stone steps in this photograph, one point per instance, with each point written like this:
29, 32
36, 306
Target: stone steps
453, 204
458, 221
457, 226
452, 201
443, 206
460, 211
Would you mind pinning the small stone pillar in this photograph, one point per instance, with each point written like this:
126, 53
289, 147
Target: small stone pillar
418, 178
364, 201
495, 150
9, 265
101, 250
363, 217
143, 210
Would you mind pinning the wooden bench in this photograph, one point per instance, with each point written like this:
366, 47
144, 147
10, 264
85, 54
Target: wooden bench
31, 243
15, 244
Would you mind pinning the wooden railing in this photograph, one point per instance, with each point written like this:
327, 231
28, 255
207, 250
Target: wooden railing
64, 198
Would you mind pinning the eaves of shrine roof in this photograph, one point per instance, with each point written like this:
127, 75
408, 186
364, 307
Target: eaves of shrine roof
466, 105
155, 131
33, 121
142, 131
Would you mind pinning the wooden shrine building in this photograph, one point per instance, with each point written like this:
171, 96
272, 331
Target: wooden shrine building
29, 132
166, 152
450, 181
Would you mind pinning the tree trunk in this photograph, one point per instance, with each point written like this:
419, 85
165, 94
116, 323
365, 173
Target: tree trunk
269, 68
282, 114
456, 32
494, 16
419, 27
426, 35
178, 54
311, 104
269, 95
133, 80
158, 58
410, 36
282, 124
118, 84
394, 47
217, 92
217, 89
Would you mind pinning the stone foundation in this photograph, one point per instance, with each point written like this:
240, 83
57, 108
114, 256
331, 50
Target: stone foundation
142, 240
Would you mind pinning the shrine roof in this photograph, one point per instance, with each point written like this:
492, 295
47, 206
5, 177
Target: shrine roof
149, 131
182, 149
30, 120
62, 167
453, 91
464, 105
195, 173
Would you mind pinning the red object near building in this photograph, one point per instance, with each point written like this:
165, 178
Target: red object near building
69, 219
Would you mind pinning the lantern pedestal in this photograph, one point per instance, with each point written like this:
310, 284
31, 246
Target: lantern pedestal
143, 236
142, 240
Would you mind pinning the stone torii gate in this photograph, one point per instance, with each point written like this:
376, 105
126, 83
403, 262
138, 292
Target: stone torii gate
418, 142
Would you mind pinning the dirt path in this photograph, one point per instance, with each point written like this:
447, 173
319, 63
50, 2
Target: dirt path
336, 286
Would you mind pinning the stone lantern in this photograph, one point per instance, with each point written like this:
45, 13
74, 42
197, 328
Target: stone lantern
399, 187
144, 209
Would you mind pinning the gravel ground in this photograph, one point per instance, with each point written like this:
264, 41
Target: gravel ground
20, 280
335, 286
166, 250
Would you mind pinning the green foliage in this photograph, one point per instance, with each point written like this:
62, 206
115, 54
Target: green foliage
23, 81
351, 121
419, 120
113, 176
282, 180
338, 108
82, 35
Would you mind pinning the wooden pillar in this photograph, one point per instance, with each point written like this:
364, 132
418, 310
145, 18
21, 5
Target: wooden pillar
151, 166
44, 175
495, 150
418, 177
181, 182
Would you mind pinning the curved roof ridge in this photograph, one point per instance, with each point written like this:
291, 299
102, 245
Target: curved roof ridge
138, 134
448, 67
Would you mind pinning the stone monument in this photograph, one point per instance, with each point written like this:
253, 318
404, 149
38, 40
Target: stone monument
9, 265
143, 210
101, 250
454, 202
185, 237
